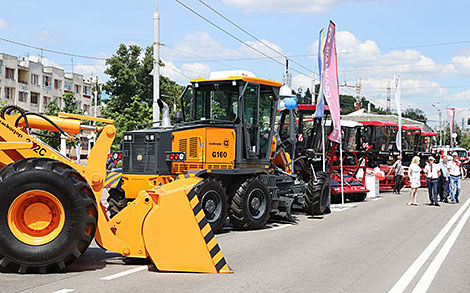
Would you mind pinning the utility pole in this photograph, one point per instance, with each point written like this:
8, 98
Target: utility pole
156, 64
389, 99
358, 94
287, 77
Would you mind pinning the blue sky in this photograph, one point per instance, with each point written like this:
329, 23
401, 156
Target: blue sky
375, 40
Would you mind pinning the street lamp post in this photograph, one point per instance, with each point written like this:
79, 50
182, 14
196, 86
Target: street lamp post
440, 122
156, 63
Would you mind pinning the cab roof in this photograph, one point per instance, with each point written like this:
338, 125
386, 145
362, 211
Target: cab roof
244, 78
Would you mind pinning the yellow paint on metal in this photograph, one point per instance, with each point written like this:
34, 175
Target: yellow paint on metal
132, 184
185, 247
36, 217
15, 145
244, 78
83, 117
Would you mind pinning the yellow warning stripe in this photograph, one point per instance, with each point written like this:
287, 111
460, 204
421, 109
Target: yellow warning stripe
209, 237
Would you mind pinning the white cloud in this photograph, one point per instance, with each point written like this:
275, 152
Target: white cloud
88, 70
462, 63
42, 36
44, 61
3, 24
196, 70
302, 81
300, 6
171, 71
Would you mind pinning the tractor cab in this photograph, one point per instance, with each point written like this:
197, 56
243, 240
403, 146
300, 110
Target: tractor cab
376, 140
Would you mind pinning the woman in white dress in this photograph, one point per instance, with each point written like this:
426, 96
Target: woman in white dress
414, 173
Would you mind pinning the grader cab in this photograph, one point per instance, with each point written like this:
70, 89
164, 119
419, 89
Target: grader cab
51, 208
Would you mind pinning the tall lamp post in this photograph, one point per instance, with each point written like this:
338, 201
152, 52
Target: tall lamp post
156, 63
440, 125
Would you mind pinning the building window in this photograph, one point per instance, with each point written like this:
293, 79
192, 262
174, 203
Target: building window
34, 98
77, 89
86, 108
9, 93
79, 105
86, 90
35, 79
46, 81
23, 97
9, 73
57, 84
46, 100
68, 86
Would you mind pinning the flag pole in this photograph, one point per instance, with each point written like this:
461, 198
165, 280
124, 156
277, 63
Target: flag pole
323, 143
341, 166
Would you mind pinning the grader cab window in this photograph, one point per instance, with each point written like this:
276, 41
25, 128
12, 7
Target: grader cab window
216, 102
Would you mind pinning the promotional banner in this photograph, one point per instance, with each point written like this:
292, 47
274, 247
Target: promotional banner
451, 116
320, 111
330, 82
397, 86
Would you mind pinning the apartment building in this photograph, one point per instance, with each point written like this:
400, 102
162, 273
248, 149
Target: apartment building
31, 85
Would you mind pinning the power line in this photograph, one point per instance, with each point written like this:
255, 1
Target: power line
51, 51
250, 34
233, 36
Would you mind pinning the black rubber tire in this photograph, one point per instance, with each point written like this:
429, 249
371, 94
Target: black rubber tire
243, 215
214, 202
357, 197
77, 200
116, 200
317, 199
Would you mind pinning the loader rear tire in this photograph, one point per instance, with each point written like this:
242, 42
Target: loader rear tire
116, 201
357, 197
251, 205
213, 199
47, 216
317, 200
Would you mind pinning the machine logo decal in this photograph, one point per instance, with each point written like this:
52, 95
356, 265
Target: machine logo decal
139, 157
226, 142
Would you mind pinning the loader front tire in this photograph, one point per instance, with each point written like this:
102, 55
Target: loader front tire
213, 199
317, 200
47, 216
251, 205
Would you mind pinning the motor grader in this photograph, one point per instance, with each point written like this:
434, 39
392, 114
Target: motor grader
51, 207
227, 134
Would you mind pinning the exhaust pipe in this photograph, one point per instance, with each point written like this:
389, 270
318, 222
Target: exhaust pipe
165, 113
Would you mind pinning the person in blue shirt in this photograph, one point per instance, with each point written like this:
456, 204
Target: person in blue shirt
443, 181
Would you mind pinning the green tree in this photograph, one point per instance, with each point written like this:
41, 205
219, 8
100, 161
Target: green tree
130, 89
415, 114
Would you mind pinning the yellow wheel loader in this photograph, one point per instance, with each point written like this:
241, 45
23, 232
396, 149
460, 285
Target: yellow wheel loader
226, 136
51, 207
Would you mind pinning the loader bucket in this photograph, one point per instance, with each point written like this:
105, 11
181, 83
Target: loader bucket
176, 233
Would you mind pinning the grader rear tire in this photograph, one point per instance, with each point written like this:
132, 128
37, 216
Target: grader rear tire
47, 216
251, 205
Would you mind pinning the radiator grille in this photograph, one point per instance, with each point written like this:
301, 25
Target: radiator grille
136, 150
183, 145
193, 147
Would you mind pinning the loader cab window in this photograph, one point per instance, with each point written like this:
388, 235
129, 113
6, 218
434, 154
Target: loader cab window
266, 100
250, 110
186, 99
216, 102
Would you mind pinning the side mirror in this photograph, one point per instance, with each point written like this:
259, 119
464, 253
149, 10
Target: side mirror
178, 118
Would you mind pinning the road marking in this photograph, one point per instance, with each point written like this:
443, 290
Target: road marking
339, 208
280, 227
433, 268
408, 276
64, 291
375, 199
125, 273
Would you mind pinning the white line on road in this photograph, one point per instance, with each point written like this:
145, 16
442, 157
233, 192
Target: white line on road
375, 199
125, 273
433, 268
64, 291
408, 276
280, 227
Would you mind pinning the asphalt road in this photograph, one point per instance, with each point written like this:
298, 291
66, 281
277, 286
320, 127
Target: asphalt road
375, 246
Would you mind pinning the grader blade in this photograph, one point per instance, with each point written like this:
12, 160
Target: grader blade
176, 233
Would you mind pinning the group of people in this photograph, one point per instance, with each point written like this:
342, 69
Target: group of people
443, 179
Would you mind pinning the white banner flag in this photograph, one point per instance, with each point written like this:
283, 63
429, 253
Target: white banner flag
397, 86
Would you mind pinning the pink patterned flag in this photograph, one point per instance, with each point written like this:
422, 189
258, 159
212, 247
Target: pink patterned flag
330, 82
451, 115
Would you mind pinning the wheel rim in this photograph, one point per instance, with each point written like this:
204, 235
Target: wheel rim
212, 205
36, 217
256, 203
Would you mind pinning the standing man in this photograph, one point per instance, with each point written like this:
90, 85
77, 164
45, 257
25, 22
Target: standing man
443, 181
432, 173
397, 166
455, 175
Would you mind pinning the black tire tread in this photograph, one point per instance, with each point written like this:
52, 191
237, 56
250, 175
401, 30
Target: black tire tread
238, 215
219, 224
315, 195
82, 194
